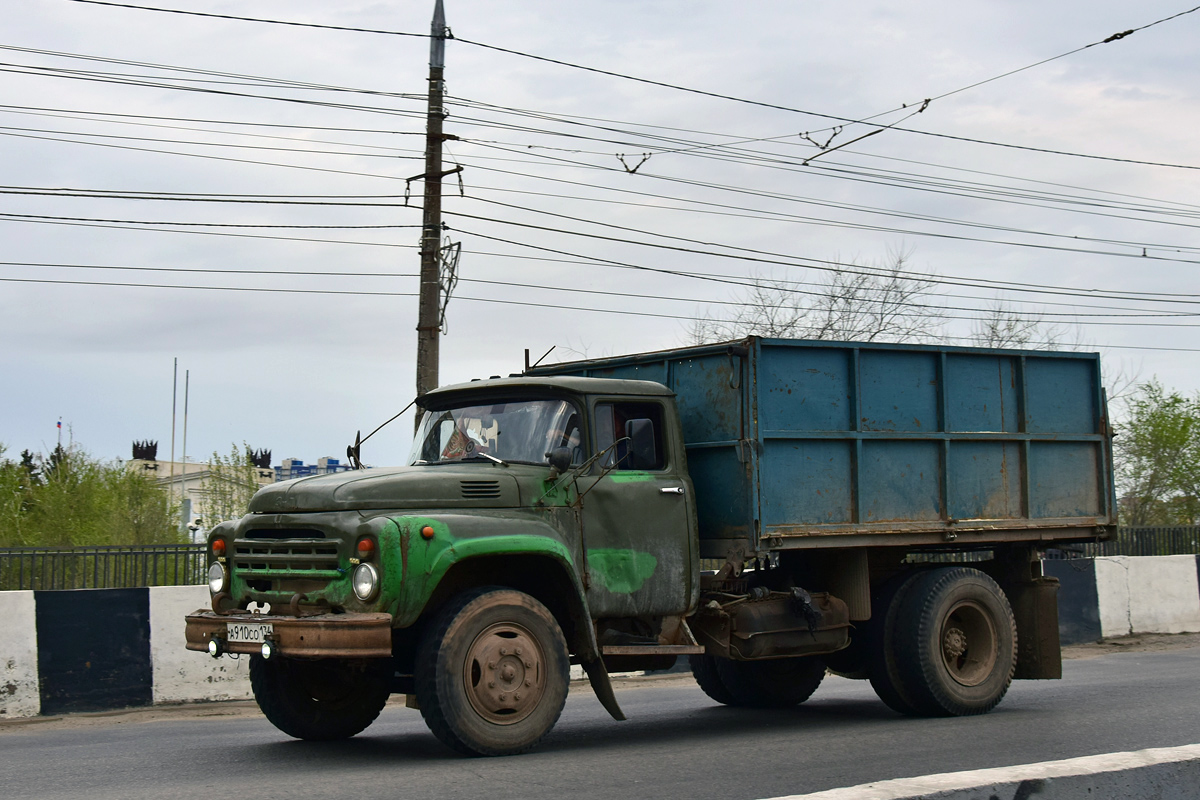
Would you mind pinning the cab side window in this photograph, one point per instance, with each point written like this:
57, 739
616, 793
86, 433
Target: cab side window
637, 431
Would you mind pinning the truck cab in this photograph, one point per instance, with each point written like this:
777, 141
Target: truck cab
564, 499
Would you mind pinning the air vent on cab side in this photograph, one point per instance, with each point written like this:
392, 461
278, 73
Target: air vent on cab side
480, 490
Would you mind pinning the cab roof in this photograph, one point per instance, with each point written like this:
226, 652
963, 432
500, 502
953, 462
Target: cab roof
519, 386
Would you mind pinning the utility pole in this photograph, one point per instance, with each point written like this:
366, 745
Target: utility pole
429, 323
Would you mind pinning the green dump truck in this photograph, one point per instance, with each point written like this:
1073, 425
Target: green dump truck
773, 510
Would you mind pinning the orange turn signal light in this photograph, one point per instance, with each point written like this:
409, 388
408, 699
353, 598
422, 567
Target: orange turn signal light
218, 547
366, 547
427, 532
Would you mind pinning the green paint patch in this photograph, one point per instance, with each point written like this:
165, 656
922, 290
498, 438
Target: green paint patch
621, 571
631, 477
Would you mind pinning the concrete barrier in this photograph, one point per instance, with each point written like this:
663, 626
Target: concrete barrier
1119, 595
182, 675
19, 692
1148, 594
94, 649
1158, 774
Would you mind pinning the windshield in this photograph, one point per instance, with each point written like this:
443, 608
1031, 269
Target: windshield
523, 430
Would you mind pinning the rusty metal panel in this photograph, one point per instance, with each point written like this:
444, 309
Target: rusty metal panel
324, 636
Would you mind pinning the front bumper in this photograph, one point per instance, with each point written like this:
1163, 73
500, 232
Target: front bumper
321, 636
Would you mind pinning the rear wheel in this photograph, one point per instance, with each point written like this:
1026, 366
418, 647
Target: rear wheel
882, 643
774, 683
320, 700
492, 672
959, 643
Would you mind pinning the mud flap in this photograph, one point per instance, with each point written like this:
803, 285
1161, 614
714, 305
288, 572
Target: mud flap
602, 686
1035, 607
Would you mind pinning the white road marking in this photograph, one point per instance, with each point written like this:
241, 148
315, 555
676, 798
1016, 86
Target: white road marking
950, 781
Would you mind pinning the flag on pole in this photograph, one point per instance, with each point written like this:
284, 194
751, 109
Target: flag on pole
60, 424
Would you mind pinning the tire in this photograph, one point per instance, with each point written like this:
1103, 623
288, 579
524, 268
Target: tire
883, 644
958, 643
772, 683
704, 670
504, 635
322, 700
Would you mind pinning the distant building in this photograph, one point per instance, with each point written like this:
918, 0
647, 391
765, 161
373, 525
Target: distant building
188, 482
295, 468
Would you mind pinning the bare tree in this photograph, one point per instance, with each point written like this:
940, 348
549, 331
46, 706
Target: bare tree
1004, 326
859, 303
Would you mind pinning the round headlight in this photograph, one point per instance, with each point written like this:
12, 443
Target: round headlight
366, 581
218, 578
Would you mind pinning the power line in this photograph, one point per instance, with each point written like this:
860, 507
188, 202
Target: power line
209, 233
521, 303
923, 310
1010, 286
252, 19
200, 155
121, 117
717, 95
4, 129
6, 214
678, 145
253, 79
198, 197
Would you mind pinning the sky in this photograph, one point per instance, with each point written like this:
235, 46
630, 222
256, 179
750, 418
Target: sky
232, 194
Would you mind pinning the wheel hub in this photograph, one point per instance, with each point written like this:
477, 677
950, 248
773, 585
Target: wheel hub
954, 643
970, 643
504, 673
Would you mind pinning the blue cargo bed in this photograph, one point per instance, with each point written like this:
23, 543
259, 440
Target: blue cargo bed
794, 443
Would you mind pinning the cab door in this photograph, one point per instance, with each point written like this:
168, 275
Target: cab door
638, 514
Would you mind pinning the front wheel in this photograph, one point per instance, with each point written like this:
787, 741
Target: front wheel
321, 700
492, 672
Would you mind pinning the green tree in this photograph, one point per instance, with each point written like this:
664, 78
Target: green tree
1157, 454
232, 481
71, 498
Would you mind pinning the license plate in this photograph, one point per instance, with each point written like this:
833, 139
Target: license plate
255, 632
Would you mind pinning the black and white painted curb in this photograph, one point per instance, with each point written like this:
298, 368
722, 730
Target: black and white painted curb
100, 649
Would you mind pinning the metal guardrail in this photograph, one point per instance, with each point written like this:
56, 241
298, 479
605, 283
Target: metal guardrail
102, 567
126, 566
1157, 541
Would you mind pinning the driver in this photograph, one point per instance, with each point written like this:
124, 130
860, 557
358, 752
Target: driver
566, 435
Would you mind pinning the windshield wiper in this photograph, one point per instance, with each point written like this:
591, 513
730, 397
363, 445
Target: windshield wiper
488, 456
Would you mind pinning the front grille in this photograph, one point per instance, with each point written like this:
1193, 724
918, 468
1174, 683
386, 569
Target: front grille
478, 490
270, 556
284, 533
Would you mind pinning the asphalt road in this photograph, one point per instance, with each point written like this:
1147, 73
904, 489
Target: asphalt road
677, 744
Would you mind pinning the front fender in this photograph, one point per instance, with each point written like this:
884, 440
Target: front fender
425, 560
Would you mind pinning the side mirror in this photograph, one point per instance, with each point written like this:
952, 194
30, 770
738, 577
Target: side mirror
642, 452
560, 459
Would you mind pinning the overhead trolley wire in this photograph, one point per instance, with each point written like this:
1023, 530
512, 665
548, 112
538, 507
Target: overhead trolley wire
522, 303
921, 310
253, 19
711, 94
